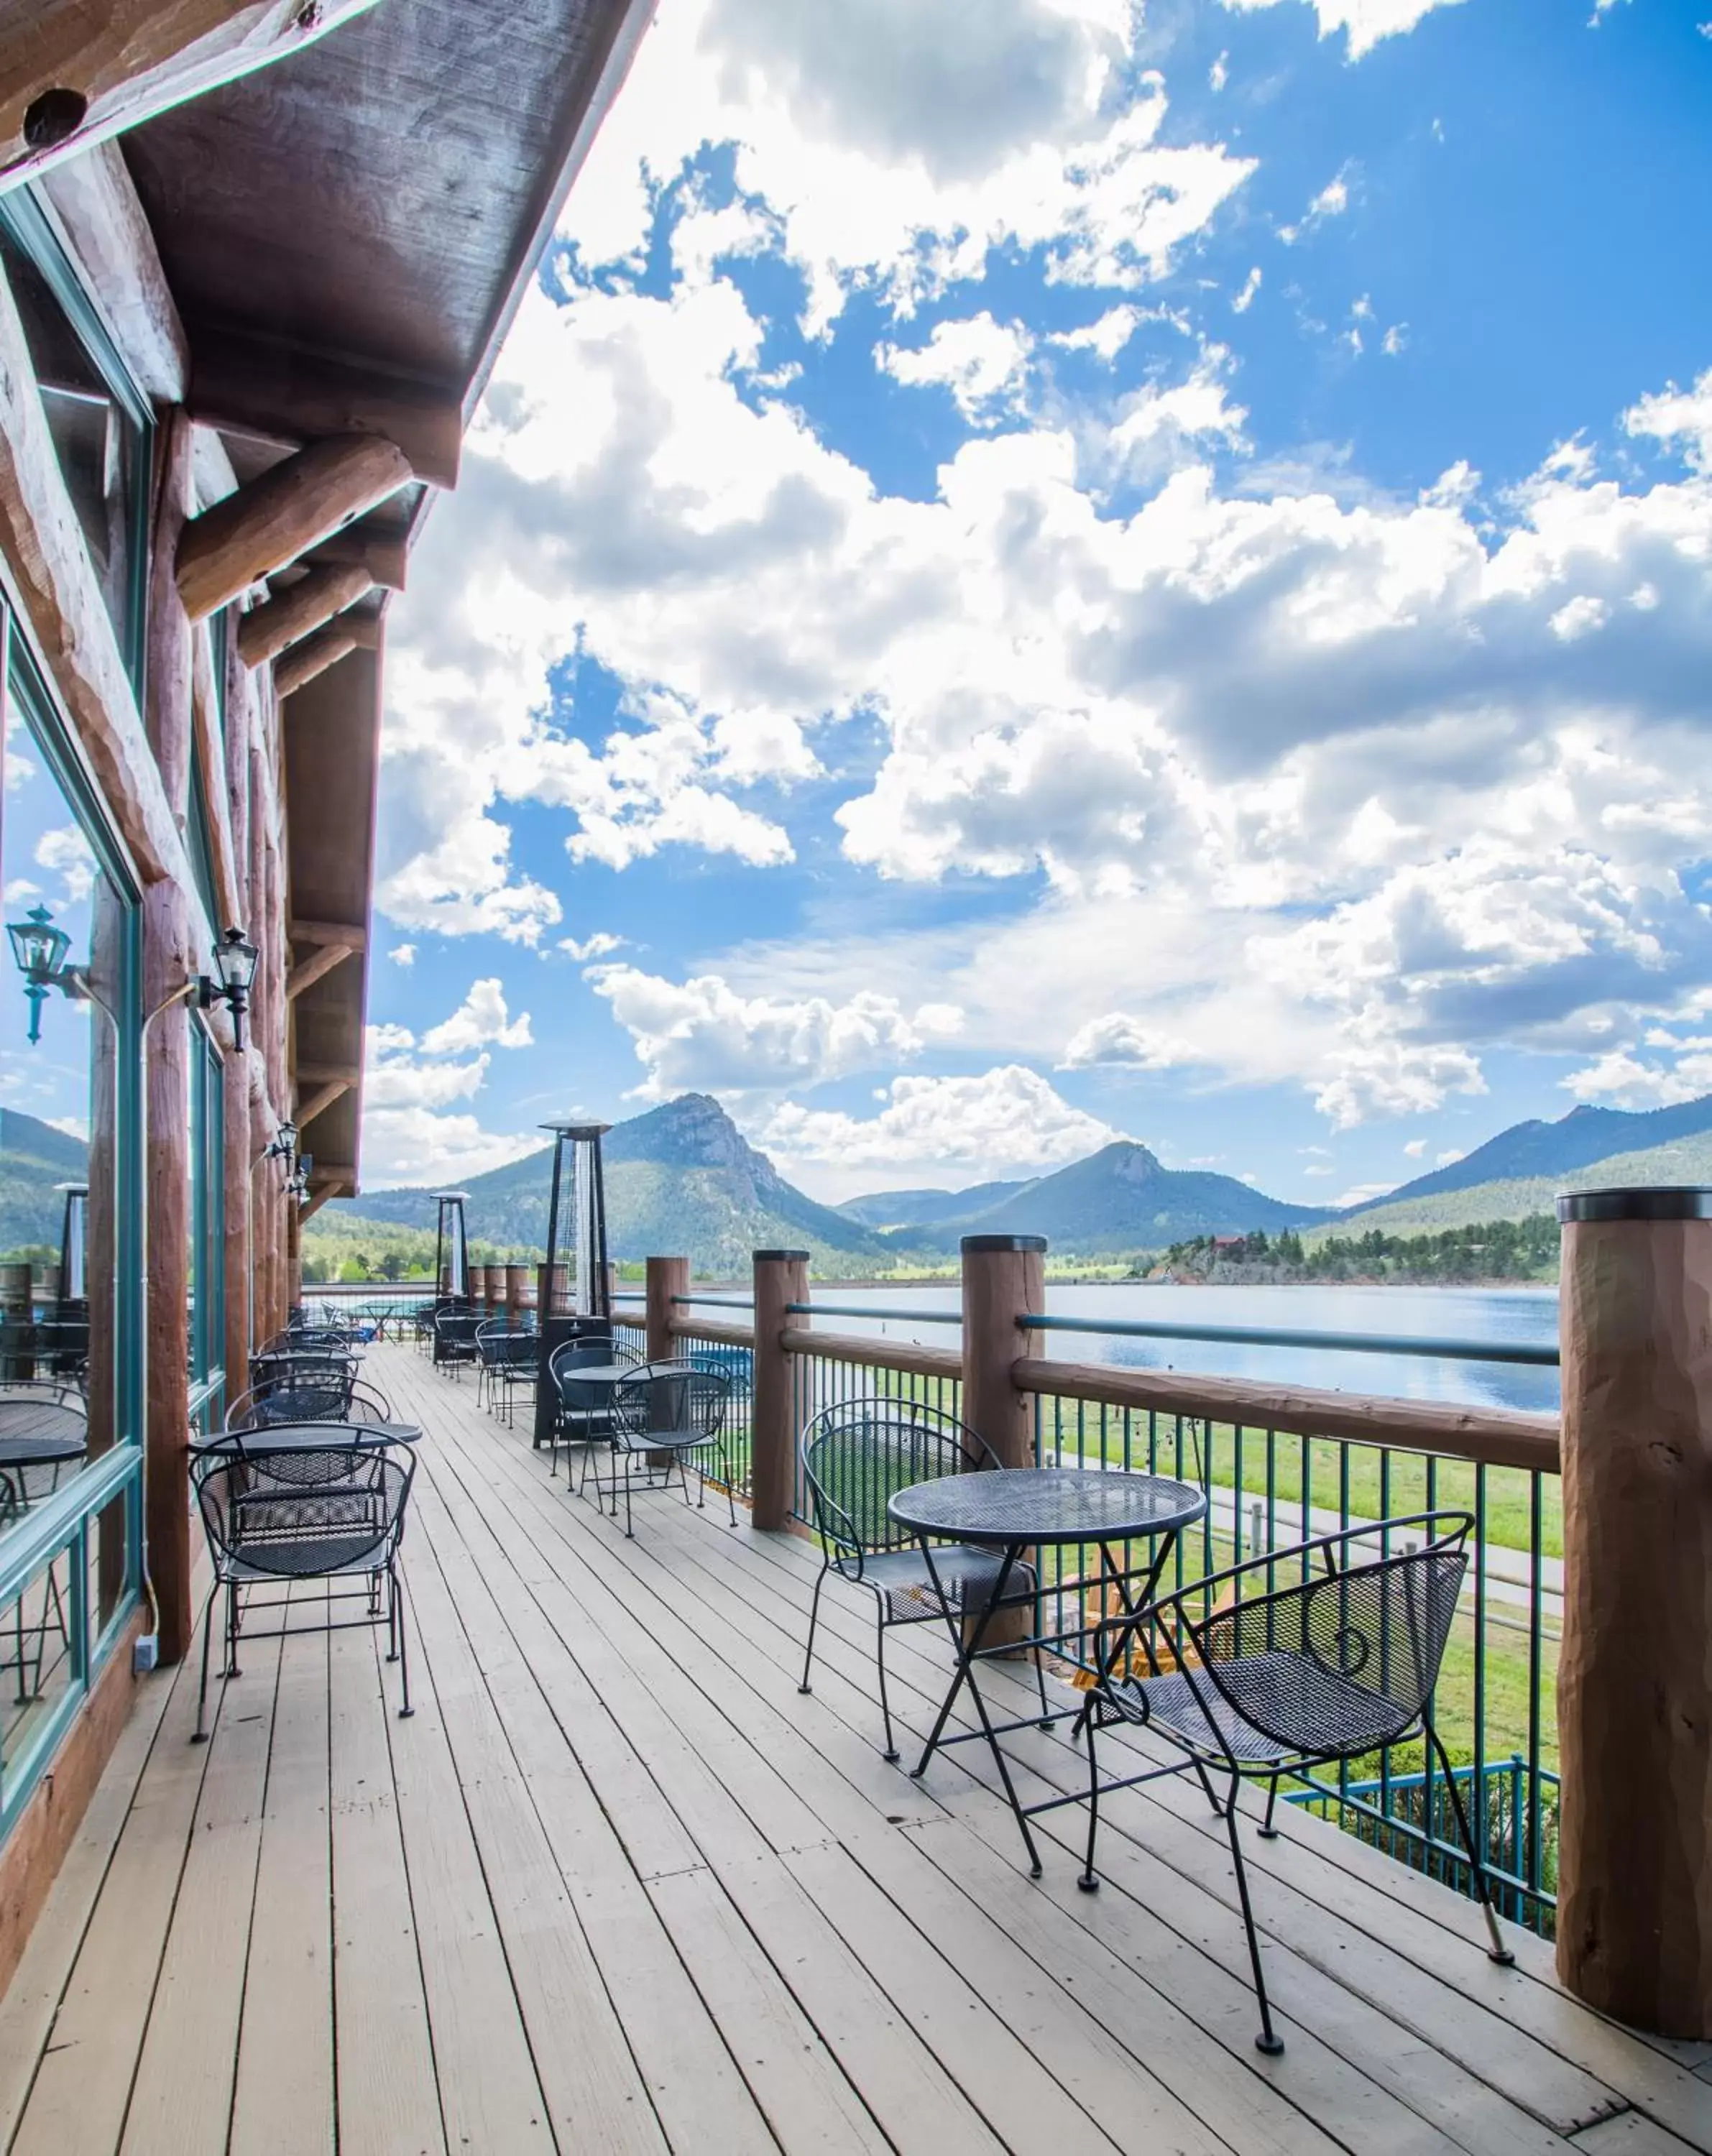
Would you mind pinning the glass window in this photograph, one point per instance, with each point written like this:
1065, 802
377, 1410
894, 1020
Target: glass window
99, 425
67, 1239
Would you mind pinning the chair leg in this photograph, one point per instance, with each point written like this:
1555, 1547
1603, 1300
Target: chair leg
814, 1619
1089, 1881
200, 1734
231, 1669
1496, 1950
1045, 1722
629, 1461
879, 1657
1266, 1829
397, 1609
1268, 2040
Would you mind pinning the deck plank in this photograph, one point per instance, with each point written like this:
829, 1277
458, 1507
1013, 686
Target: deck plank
388, 2094
284, 2102
83, 2083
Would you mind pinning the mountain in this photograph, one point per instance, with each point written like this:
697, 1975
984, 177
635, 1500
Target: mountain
1542, 1152
925, 1208
1122, 1199
1514, 1197
681, 1179
33, 1158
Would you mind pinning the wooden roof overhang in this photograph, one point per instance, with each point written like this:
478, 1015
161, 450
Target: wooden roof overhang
346, 235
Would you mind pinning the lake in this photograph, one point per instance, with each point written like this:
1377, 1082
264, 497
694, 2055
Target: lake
1525, 1314
1521, 1315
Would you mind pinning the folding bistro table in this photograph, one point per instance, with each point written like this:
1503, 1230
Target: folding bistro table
1012, 1510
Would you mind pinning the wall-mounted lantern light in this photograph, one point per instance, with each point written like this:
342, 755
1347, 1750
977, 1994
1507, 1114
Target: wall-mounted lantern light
235, 961
39, 947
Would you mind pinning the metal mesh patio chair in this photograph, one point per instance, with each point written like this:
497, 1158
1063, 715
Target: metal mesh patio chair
664, 1415
367, 1403
855, 1454
500, 1348
515, 1368
455, 1331
321, 1394
274, 1518
1337, 1659
584, 1415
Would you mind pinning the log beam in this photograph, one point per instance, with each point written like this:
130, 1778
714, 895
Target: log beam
316, 1199
96, 204
312, 657
264, 632
351, 934
321, 961
386, 560
323, 1097
74, 72
328, 1073
279, 516
245, 386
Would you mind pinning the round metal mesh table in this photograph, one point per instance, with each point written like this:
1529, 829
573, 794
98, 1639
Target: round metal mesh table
1018, 1505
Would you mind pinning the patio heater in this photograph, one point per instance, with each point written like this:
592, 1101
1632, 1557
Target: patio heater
451, 1267
74, 1250
574, 1300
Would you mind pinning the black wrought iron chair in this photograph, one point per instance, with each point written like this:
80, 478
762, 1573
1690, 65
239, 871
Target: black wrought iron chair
583, 1413
367, 1403
273, 1519
1337, 1661
455, 1331
515, 1368
503, 1352
855, 1454
663, 1415
319, 1394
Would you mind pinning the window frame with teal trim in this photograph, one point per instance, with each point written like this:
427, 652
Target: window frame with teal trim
69, 1522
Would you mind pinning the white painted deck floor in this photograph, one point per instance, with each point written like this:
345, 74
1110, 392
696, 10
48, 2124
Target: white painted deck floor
618, 1886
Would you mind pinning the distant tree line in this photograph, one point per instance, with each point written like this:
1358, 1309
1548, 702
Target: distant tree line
1487, 1250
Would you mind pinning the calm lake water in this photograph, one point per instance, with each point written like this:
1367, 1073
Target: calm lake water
1522, 1315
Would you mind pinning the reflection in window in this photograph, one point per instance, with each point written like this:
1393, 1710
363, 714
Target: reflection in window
59, 1402
101, 442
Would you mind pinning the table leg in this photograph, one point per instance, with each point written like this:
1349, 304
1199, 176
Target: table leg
966, 1650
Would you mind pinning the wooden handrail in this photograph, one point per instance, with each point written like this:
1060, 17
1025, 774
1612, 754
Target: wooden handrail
1491, 1437
1488, 1437
721, 1336
873, 1354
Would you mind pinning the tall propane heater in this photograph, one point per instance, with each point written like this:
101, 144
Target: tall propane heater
451, 1248
574, 1301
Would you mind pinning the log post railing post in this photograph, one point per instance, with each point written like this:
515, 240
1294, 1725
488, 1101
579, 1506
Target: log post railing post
666, 1277
1004, 1277
1634, 1693
517, 1291
781, 1278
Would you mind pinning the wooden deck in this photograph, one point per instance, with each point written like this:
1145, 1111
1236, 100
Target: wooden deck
618, 1886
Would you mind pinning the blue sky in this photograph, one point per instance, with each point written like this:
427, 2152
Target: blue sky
1053, 570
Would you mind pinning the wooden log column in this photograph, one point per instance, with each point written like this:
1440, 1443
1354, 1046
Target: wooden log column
1004, 1276
170, 958
781, 1277
517, 1291
1634, 1694
666, 1277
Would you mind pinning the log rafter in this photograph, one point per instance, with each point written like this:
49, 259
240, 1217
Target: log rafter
313, 657
319, 962
282, 514
265, 631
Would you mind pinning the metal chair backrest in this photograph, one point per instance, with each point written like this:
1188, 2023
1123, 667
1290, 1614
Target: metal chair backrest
313, 1396
857, 1453
1371, 1623
367, 1403
566, 1361
296, 1515
660, 1398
